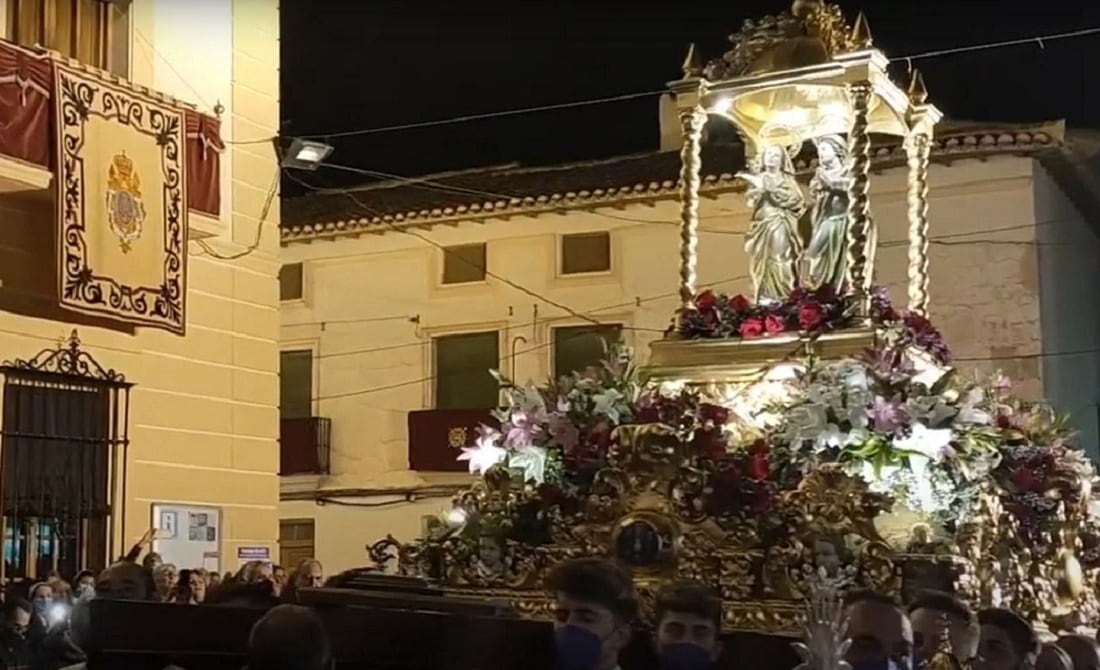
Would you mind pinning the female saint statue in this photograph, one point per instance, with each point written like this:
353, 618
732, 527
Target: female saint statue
828, 251
773, 244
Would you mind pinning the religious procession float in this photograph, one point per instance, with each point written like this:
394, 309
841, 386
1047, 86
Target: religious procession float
814, 428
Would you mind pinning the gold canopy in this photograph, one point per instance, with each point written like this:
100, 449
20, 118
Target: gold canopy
785, 79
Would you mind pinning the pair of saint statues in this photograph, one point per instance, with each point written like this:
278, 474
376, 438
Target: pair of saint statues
780, 259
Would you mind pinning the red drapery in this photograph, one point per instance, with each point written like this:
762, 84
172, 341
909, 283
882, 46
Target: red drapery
204, 145
26, 85
27, 117
437, 436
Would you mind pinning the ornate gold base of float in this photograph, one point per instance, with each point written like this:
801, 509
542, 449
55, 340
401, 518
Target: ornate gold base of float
742, 361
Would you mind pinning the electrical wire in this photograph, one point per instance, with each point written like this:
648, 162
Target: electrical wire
479, 266
269, 200
1039, 40
430, 184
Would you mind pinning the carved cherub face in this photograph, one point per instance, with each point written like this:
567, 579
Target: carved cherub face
826, 153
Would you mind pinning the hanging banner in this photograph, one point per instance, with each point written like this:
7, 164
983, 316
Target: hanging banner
121, 201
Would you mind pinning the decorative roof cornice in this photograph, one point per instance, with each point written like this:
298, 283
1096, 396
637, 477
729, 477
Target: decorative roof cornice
954, 141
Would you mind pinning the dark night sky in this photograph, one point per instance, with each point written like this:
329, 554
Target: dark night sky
363, 64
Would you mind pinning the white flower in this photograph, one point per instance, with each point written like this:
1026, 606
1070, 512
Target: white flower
931, 409
532, 460
806, 422
884, 481
608, 403
483, 455
855, 378
832, 437
932, 444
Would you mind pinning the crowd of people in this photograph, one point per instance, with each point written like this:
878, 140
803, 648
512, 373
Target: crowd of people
44, 628
595, 618
596, 607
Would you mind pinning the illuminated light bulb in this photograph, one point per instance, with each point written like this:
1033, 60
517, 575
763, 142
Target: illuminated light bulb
456, 516
722, 106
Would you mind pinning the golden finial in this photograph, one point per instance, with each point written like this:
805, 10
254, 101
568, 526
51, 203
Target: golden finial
918, 94
693, 65
861, 33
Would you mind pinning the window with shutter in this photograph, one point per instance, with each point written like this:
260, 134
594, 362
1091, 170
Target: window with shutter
464, 264
577, 348
585, 253
462, 365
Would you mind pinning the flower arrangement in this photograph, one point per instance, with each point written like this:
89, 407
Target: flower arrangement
548, 433
894, 416
718, 316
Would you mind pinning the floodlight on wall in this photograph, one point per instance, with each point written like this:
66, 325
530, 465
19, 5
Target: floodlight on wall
305, 154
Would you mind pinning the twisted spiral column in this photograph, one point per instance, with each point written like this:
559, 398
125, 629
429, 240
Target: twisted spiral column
691, 163
859, 203
918, 149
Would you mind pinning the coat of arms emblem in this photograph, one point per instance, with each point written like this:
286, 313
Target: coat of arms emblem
125, 210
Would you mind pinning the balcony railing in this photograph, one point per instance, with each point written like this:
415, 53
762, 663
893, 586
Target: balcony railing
304, 446
437, 436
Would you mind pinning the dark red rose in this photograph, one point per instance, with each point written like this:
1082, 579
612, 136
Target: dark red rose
759, 467
753, 327
1024, 479
774, 324
647, 414
825, 293
706, 301
810, 315
760, 446
710, 443
1004, 422
713, 414
740, 304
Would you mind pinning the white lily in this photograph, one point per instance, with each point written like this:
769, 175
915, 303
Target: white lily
483, 455
532, 460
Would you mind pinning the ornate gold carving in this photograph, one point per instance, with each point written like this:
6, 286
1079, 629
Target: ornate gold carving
692, 122
918, 148
859, 203
777, 42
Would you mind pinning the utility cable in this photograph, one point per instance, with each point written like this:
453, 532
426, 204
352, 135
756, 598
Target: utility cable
1038, 40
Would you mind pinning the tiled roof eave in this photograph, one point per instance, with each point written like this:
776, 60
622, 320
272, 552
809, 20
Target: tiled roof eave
946, 148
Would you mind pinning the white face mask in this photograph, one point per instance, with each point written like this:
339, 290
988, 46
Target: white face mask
85, 592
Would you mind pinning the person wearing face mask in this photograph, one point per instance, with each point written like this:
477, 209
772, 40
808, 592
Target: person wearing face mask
689, 620
594, 612
84, 586
1008, 642
929, 611
881, 634
42, 598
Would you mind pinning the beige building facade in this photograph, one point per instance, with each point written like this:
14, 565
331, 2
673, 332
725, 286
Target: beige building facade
196, 444
397, 300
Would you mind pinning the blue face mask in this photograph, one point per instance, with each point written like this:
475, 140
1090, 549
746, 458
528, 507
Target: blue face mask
42, 608
684, 656
577, 648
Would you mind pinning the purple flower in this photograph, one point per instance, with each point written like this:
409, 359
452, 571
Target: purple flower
564, 432
888, 416
521, 431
